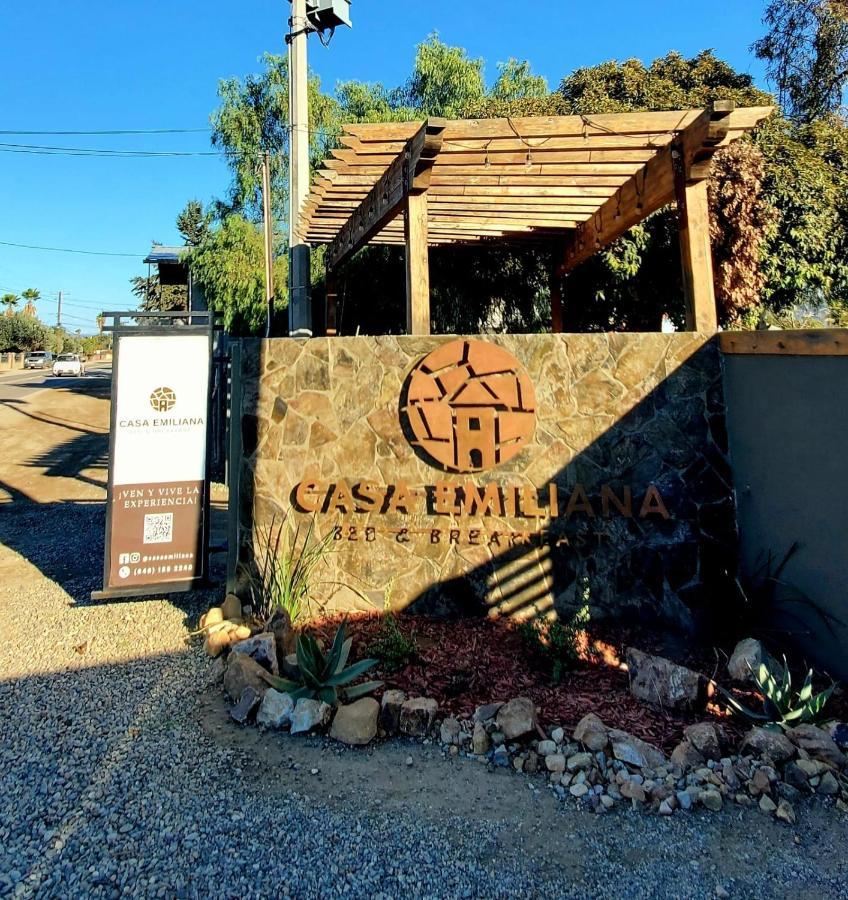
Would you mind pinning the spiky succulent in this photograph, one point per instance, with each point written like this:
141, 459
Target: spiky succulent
326, 677
783, 707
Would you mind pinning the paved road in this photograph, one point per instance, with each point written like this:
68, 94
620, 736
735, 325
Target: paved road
20, 385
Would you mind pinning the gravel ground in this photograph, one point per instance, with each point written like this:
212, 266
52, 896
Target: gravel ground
120, 775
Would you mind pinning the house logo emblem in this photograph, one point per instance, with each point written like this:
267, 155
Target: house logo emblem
470, 406
163, 399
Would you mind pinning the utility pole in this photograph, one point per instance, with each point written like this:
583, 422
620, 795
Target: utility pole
59, 312
268, 220
300, 308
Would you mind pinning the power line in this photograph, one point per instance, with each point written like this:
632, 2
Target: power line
111, 132
43, 150
68, 250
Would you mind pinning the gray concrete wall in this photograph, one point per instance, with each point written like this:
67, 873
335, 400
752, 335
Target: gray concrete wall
788, 426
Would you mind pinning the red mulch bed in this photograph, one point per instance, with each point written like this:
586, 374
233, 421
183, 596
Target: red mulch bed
466, 663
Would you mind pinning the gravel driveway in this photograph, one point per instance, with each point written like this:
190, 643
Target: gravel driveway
120, 774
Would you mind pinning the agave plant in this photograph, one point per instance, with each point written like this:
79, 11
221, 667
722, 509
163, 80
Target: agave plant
783, 707
326, 677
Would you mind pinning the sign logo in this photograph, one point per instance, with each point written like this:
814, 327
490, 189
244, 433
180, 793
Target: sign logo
163, 399
470, 406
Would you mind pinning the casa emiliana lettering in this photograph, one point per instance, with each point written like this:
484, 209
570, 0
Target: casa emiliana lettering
466, 499
161, 423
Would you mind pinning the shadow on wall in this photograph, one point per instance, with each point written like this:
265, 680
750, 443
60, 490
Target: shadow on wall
646, 531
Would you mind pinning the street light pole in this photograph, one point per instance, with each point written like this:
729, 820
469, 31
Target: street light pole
300, 308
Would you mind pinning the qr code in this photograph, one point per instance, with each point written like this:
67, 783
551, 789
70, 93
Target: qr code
159, 528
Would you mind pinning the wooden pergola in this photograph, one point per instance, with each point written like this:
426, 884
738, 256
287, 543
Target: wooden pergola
572, 183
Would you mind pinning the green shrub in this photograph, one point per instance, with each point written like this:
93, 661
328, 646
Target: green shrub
326, 677
392, 647
554, 644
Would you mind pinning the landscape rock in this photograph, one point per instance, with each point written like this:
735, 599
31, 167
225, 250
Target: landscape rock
686, 756
246, 706
276, 710
818, 743
555, 762
486, 712
480, 740
666, 808
579, 761
578, 790
785, 812
390, 708
356, 723
310, 715
839, 733
767, 805
828, 785
797, 778
659, 681
763, 742
285, 637
517, 718
632, 791
747, 655
417, 716
449, 731
704, 737
243, 671
592, 733
557, 735
215, 616
261, 648
545, 748
634, 751
230, 608
712, 800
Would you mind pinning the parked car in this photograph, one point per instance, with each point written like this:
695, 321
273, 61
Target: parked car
68, 364
38, 359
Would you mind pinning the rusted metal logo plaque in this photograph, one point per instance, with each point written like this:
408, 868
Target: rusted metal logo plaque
470, 406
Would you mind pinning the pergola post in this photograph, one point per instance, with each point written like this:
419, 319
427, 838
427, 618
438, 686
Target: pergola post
417, 265
696, 256
556, 275
331, 303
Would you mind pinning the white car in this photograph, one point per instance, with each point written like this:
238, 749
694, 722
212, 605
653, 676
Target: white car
68, 364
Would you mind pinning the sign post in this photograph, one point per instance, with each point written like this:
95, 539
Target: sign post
157, 515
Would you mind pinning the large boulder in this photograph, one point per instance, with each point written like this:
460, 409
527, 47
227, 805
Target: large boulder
705, 738
634, 751
261, 648
417, 717
661, 682
517, 718
276, 710
764, 742
310, 715
818, 744
390, 709
592, 733
356, 723
746, 659
243, 671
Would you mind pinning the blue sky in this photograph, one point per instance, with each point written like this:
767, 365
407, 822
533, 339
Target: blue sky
118, 65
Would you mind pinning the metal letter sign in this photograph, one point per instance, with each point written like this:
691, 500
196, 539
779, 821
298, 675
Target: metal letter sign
158, 497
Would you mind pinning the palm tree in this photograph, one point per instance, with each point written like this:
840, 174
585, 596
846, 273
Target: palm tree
31, 295
10, 301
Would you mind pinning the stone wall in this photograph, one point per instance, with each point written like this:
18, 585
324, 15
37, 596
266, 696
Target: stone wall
620, 497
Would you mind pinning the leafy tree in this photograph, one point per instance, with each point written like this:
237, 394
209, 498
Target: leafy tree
806, 49
445, 80
10, 301
21, 334
229, 265
193, 223
153, 295
517, 82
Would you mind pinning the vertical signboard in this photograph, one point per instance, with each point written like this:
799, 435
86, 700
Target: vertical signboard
157, 515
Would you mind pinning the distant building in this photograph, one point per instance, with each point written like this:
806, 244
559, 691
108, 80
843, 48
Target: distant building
173, 270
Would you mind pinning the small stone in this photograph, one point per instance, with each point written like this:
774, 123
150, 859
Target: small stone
276, 710
546, 748
684, 798
607, 801
409, 761
498, 738
632, 791
721, 893
390, 708
767, 805
828, 785
818, 743
449, 731
839, 734
579, 761
356, 723
214, 617
531, 764
762, 742
518, 763
231, 608
285, 637
480, 740
517, 718
786, 812
578, 790
666, 808
242, 671
760, 783
634, 751
686, 756
787, 792
486, 712
712, 800
417, 716
555, 762
309, 715
246, 706
745, 660
557, 735
501, 757
808, 768
704, 738
592, 733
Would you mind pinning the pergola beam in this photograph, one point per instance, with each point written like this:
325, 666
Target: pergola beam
407, 173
